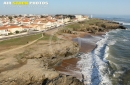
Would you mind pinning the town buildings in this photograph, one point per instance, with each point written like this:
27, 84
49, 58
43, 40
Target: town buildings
19, 24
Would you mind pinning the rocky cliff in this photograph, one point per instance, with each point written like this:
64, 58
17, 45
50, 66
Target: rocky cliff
34, 65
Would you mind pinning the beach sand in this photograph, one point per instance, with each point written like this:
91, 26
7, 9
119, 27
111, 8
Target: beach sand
69, 66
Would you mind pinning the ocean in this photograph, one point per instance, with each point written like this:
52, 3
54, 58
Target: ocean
109, 62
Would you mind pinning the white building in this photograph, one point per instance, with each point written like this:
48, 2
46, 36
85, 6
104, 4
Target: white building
3, 30
80, 17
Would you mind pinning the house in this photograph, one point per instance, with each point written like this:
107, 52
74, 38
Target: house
25, 28
37, 21
86, 17
48, 24
60, 22
25, 21
53, 22
6, 29
80, 17
3, 30
66, 20
14, 28
36, 27
44, 25
17, 20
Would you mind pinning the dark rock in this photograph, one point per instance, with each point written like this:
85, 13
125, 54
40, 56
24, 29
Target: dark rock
122, 27
64, 80
45, 81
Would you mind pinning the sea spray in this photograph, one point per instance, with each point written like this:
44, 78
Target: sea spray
119, 51
85, 64
94, 66
101, 52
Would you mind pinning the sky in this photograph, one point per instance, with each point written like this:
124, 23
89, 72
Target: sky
110, 7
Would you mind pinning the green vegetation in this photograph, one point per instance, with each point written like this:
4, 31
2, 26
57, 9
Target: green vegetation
7, 44
10, 18
91, 26
50, 37
16, 32
10, 33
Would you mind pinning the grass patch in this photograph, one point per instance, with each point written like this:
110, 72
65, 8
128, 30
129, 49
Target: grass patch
75, 26
7, 44
49, 37
91, 26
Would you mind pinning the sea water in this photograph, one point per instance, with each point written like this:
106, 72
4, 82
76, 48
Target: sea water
109, 62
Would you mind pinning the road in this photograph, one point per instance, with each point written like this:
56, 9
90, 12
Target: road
26, 34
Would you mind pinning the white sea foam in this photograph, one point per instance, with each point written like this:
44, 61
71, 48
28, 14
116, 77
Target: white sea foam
92, 41
124, 23
112, 42
93, 65
115, 31
85, 65
101, 53
125, 40
106, 53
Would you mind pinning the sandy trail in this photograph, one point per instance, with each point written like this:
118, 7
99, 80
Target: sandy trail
14, 49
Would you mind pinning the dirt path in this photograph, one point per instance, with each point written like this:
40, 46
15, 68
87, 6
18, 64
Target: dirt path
20, 46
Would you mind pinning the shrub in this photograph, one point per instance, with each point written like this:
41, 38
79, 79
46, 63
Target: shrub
16, 32
10, 33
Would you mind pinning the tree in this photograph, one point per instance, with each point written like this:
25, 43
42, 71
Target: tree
16, 32
43, 16
20, 15
15, 16
10, 17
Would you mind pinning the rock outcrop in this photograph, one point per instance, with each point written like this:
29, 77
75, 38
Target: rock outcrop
63, 80
39, 66
92, 26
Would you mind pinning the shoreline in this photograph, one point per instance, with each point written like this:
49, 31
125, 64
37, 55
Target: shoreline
51, 62
86, 47
82, 50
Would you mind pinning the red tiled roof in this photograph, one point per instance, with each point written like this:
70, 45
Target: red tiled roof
13, 26
26, 20
25, 27
3, 28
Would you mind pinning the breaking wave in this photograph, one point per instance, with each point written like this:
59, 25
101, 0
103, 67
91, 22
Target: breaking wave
94, 65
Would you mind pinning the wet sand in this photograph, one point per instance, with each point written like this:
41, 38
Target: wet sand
88, 42
69, 66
